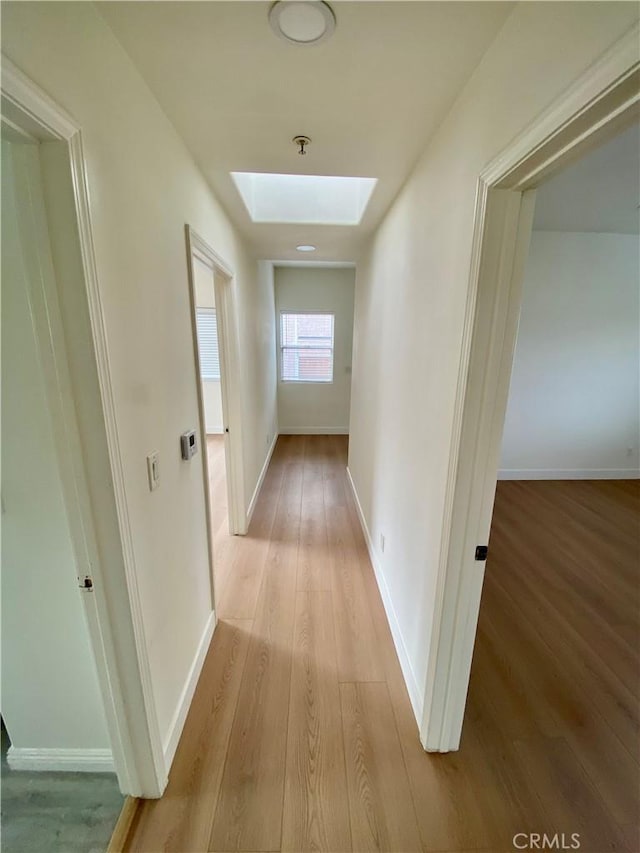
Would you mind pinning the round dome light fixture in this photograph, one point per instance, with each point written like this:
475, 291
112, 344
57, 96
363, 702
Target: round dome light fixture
306, 248
302, 21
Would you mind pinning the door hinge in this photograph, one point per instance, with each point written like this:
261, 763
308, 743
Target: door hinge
481, 552
86, 583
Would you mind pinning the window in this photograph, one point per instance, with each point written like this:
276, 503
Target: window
207, 328
306, 345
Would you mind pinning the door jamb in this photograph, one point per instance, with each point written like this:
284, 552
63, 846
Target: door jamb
230, 383
601, 103
115, 626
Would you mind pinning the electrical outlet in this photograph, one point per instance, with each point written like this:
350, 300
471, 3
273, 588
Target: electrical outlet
382, 542
153, 470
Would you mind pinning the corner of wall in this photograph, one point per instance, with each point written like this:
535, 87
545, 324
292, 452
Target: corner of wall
415, 695
184, 703
263, 474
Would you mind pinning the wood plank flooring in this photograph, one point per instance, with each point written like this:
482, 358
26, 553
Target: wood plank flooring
301, 736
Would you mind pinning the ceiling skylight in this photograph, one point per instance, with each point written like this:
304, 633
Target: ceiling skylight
304, 199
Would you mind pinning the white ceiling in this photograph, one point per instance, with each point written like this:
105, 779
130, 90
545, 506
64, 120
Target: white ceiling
369, 97
601, 192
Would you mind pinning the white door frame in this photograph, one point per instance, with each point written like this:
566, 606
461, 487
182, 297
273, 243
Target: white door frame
103, 552
599, 105
230, 383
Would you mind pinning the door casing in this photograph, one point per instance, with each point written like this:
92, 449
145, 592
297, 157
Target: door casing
601, 103
70, 328
230, 384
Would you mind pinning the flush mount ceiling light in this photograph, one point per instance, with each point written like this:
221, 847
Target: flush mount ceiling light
302, 21
305, 248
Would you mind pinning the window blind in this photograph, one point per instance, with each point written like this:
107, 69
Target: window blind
207, 328
306, 344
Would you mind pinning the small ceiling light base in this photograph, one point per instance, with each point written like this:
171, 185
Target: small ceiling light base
302, 22
306, 248
301, 142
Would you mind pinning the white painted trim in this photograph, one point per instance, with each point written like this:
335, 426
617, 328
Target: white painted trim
526, 158
66, 760
230, 383
569, 474
217, 430
186, 697
263, 474
506, 228
122, 663
202, 423
156, 778
207, 254
601, 102
320, 430
41, 111
415, 694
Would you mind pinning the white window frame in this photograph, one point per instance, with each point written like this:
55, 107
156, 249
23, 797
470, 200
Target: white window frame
281, 347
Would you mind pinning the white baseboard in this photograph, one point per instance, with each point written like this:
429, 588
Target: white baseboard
180, 715
415, 696
68, 760
569, 474
314, 430
263, 474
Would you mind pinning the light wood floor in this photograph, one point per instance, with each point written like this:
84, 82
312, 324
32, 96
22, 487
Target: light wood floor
301, 736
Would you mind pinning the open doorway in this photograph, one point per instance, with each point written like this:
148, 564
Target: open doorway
601, 104
208, 349
58, 772
572, 411
556, 658
62, 478
214, 335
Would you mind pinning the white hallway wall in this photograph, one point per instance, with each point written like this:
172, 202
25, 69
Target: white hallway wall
411, 288
144, 186
318, 407
574, 407
47, 660
211, 392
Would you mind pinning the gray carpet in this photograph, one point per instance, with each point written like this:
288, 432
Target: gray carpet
57, 812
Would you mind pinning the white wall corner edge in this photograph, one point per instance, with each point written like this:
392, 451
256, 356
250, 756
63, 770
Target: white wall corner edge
314, 430
71, 760
184, 703
415, 696
263, 474
569, 474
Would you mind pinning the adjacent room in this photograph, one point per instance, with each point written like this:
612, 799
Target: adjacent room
209, 368
59, 787
554, 685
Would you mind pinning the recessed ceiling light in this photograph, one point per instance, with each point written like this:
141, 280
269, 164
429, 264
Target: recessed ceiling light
305, 248
302, 21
